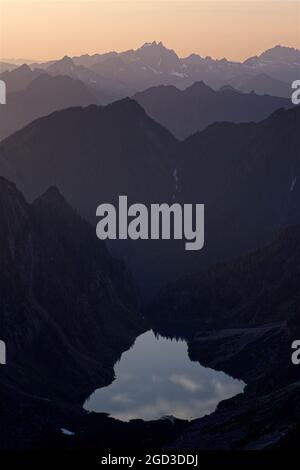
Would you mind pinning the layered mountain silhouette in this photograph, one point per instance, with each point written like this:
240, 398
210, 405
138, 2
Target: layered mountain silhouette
278, 62
119, 74
42, 96
19, 78
64, 300
261, 84
6, 66
257, 289
281, 63
247, 177
245, 174
105, 89
94, 155
243, 317
184, 112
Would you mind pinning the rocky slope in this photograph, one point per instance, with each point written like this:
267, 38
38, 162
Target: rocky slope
67, 308
243, 318
153, 64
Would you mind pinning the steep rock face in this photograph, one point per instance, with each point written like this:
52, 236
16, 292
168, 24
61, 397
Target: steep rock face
61, 318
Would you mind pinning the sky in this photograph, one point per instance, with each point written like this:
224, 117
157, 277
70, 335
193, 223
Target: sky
235, 29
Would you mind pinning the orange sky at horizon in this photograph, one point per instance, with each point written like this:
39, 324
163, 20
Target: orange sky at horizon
235, 29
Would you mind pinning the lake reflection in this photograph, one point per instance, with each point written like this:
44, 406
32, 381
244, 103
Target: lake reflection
156, 378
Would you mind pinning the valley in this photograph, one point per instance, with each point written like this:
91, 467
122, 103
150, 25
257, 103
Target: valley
116, 337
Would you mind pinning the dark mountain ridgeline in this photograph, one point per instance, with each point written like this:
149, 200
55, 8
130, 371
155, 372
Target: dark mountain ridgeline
42, 96
260, 84
111, 150
185, 112
245, 174
20, 77
243, 313
94, 155
256, 289
7, 67
126, 73
105, 90
243, 316
64, 300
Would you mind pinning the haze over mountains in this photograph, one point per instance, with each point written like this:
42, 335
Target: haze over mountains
20, 77
7, 66
179, 100
42, 96
115, 75
243, 316
153, 64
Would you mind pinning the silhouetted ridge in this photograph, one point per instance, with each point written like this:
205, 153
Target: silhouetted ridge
184, 112
64, 306
42, 96
54, 200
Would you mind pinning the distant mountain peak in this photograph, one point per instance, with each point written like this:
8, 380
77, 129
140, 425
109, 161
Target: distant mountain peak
229, 88
153, 44
53, 200
52, 194
24, 68
128, 105
66, 59
200, 86
281, 53
66, 63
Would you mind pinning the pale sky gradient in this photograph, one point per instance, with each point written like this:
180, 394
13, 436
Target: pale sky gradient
236, 29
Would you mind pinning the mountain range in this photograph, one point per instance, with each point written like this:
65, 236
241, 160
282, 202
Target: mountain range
243, 316
115, 75
64, 300
171, 89
7, 66
260, 84
19, 78
42, 96
93, 155
69, 307
246, 175
185, 112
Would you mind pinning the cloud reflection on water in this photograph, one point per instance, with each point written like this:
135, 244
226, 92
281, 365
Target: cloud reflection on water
156, 378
